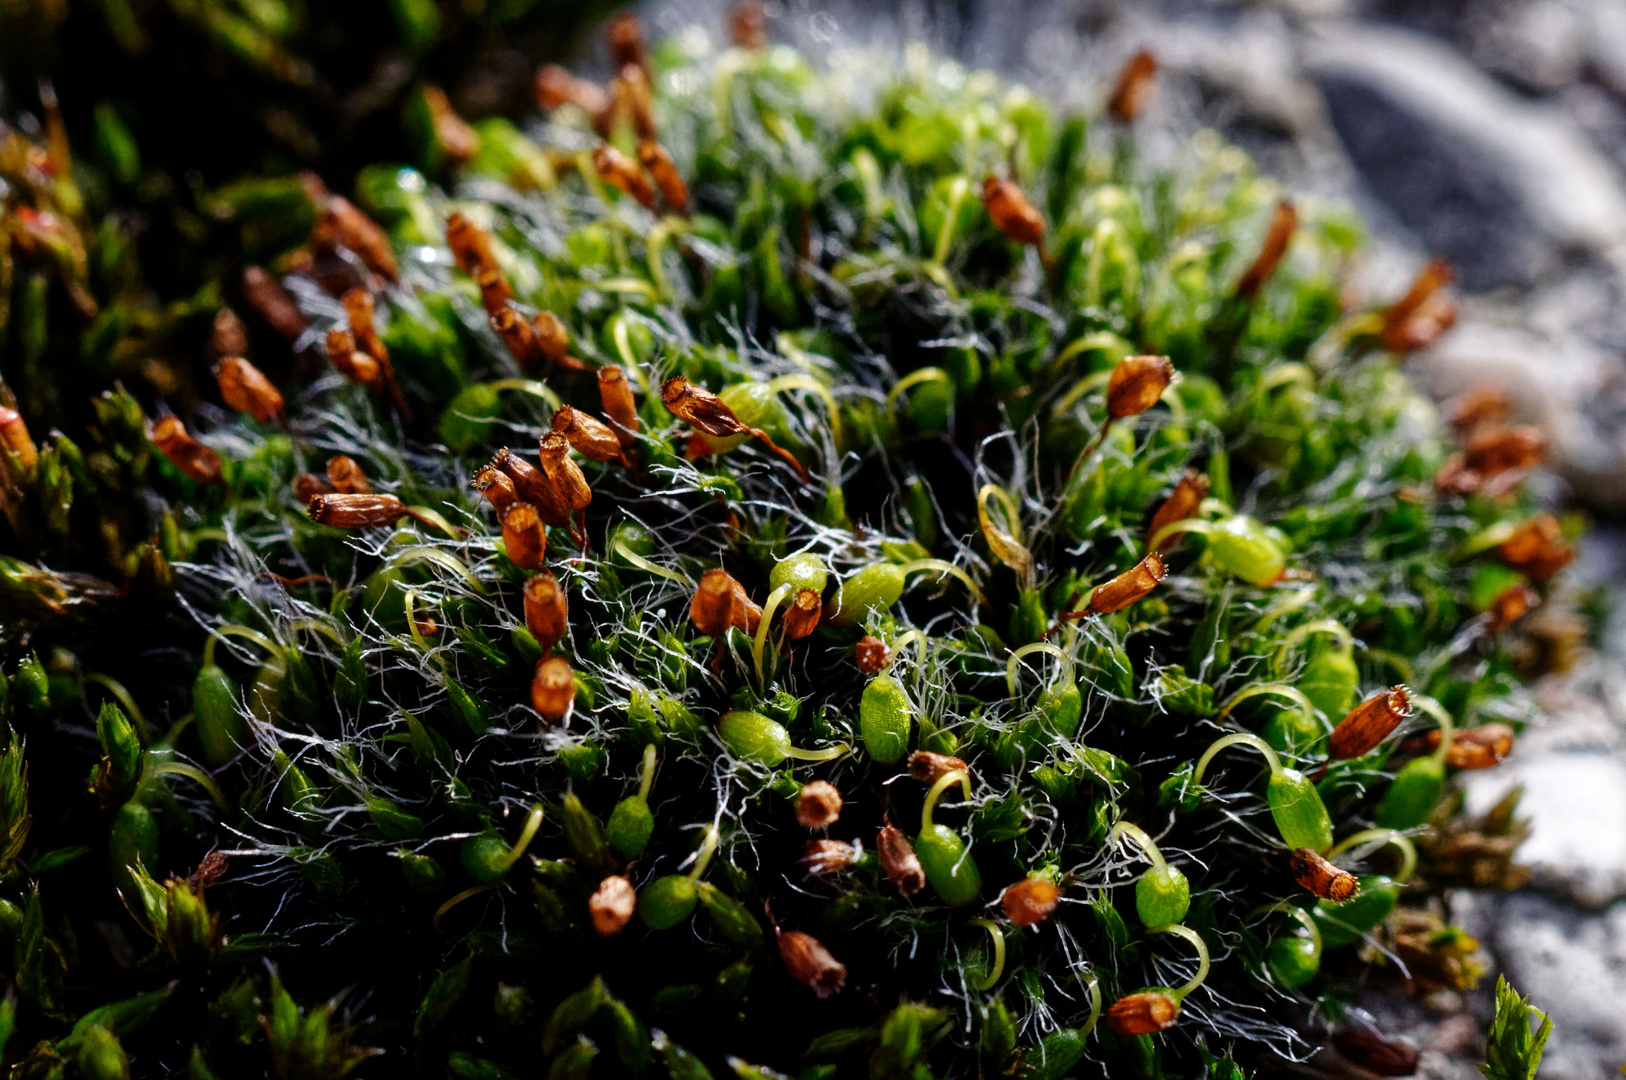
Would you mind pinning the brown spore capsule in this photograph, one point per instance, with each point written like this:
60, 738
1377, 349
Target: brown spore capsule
552, 337
811, 964
470, 244
306, 485
615, 394
748, 25
563, 472
1145, 1013
1476, 748
356, 511
803, 614
1369, 723
227, 336
872, 655
458, 141
1481, 406
344, 225
347, 477
821, 857
1284, 221
546, 610
1181, 504
612, 905
720, 602
498, 489
557, 87
818, 806
18, 445
351, 362
587, 435
245, 388
674, 190
1499, 450
929, 768
1030, 901
197, 461
553, 688
359, 310
626, 37
623, 173
1011, 211
533, 487
899, 861
705, 411
524, 538
1321, 878
1133, 90
1127, 587
1136, 383
1417, 319
494, 291
632, 98
1537, 548
516, 333
1511, 605
273, 303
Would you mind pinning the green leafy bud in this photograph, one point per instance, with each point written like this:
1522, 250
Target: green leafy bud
804, 571
221, 729
585, 836
680, 1063
468, 709
1162, 896
630, 826
1413, 794
120, 768
572, 1015
884, 718
628, 1036
442, 997
513, 1006
1343, 924
394, 822
906, 1034
100, 1056
33, 685
294, 788
874, 588
950, 870
320, 868
1180, 693
1300, 815
667, 901
350, 679
997, 1040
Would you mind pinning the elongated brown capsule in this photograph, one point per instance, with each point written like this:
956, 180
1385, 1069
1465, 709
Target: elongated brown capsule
498, 489
524, 539
1476, 748
748, 25
546, 610
621, 171
532, 486
342, 224
1134, 88
17, 445
612, 905
872, 654
516, 333
553, 339
822, 857
899, 861
1369, 723
1537, 548
1011, 212
626, 36
306, 485
245, 388
659, 163
1030, 901
351, 362
587, 435
494, 291
1502, 450
458, 141
1481, 406
802, 617
1181, 504
556, 87
356, 511
615, 394
720, 602
810, 963
632, 98
470, 244
1417, 319
1142, 1014
197, 461
1136, 384
929, 768
227, 335
819, 805
1283, 223
553, 688
705, 411
563, 472
1320, 877
1127, 587
359, 311
273, 303
1511, 605
347, 477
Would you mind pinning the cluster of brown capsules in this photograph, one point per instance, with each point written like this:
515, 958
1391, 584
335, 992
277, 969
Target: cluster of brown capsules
544, 337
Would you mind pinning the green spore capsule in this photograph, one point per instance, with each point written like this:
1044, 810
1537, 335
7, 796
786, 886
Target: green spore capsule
804, 571
1242, 546
884, 719
751, 736
1295, 804
875, 588
1292, 732
631, 823
221, 729
950, 870
1162, 894
1294, 961
1330, 680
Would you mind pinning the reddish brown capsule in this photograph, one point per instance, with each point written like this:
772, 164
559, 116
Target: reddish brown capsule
929, 768
356, 511
1030, 901
822, 857
532, 486
1142, 1014
495, 485
1501, 450
1283, 223
1537, 548
705, 411
343, 225
802, 617
458, 141
197, 461
621, 171
632, 98
587, 435
899, 861
1136, 384
626, 36
748, 25
347, 477
470, 244
524, 539
819, 805
552, 338
1369, 723
21, 455
1181, 504
810, 963
615, 394
553, 688
1479, 407
227, 336
720, 602
611, 905
1134, 88
872, 654
546, 610
674, 191
563, 472
351, 362
358, 310
245, 388
1127, 587
308, 485
1375, 1054
557, 87
273, 303
1476, 748
1417, 319
494, 291
516, 333
1321, 878
1513, 604
1011, 212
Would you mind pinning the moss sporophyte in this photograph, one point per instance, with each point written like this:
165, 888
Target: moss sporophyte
766, 569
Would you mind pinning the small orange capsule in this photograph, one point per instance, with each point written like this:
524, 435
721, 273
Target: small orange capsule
1181, 504
1283, 223
720, 602
1537, 549
553, 688
1500, 450
622, 172
352, 363
245, 388
516, 333
356, 511
470, 244
1142, 1014
673, 189
819, 805
810, 963
1134, 88
495, 485
1011, 212
358, 309
1127, 587
524, 539
748, 25
587, 435
546, 610
347, 477
563, 472
1481, 406
802, 617
631, 97
822, 857
227, 336
612, 905
273, 303
197, 461
626, 37
1030, 901
1513, 604
307, 485
533, 487
557, 87
929, 768
21, 455
494, 291
458, 141
1476, 748
872, 654
1321, 878
615, 394
899, 861
1369, 723
1136, 384
552, 337
1417, 320
342, 224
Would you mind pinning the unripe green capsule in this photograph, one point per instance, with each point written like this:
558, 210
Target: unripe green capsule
951, 872
585, 836
754, 737
1293, 961
220, 727
667, 901
804, 571
33, 685
484, 857
998, 1039
884, 719
874, 588
1413, 794
1162, 896
1245, 547
1343, 924
630, 826
1300, 815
